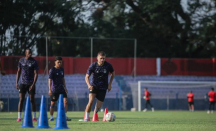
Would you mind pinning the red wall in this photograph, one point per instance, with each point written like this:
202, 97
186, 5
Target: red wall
199, 67
124, 66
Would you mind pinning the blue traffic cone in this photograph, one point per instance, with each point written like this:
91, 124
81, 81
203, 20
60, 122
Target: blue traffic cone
27, 119
43, 119
61, 122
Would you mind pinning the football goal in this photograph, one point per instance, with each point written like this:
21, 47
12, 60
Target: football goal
171, 90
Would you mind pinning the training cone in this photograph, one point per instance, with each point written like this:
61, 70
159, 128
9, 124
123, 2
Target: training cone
105, 112
61, 122
95, 117
27, 119
85, 116
43, 119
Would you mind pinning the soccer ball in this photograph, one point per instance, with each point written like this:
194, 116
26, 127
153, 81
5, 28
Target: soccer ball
110, 117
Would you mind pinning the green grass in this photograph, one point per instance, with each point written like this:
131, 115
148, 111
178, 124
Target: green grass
127, 121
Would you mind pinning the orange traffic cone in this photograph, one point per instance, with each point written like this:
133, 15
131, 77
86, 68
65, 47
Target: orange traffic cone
105, 112
85, 116
95, 117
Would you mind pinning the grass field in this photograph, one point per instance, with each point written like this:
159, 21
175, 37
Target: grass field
127, 121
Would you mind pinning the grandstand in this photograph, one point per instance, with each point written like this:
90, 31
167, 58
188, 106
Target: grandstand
78, 92
123, 85
75, 84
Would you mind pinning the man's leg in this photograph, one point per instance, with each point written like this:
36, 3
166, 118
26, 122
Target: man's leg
52, 108
151, 105
192, 107
189, 105
213, 106
65, 104
209, 108
66, 108
98, 106
101, 94
89, 105
146, 103
54, 97
32, 99
20, 105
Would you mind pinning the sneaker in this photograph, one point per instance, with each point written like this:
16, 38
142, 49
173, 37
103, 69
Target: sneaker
51, 119
212, 111
34, 119
18, 119
85, 120
68, 119
208, 112
144, 110
152, 109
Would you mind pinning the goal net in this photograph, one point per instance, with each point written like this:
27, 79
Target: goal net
169, 90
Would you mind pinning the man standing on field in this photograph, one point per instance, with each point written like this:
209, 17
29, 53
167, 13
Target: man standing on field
190, 97
211, 95
99, 84
57, 86
28, 68
147, 98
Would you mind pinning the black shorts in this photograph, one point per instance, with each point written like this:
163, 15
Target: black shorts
23, 88
191, 103
55, 96
100, 94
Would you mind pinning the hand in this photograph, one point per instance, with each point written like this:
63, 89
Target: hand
90, 87
66, 90
109, 87
17, 86
31, 87
50, 93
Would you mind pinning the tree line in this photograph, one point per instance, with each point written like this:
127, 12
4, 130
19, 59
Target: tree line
163, 28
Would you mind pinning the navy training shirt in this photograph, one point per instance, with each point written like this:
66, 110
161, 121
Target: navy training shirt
100, 75
27, 70
57, 76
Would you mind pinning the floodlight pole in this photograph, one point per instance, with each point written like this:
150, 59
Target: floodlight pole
135, 53
91, 50
46, 56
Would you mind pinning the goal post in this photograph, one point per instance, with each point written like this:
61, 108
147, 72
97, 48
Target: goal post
174, 87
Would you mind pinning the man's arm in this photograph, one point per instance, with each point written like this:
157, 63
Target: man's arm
90, 87
111, 79
64, 85
35, 76
35, 79
17, 77
49, 85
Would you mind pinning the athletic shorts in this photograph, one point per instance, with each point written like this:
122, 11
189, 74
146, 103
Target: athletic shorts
55, 96
100, 94
191, 103
23, 88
